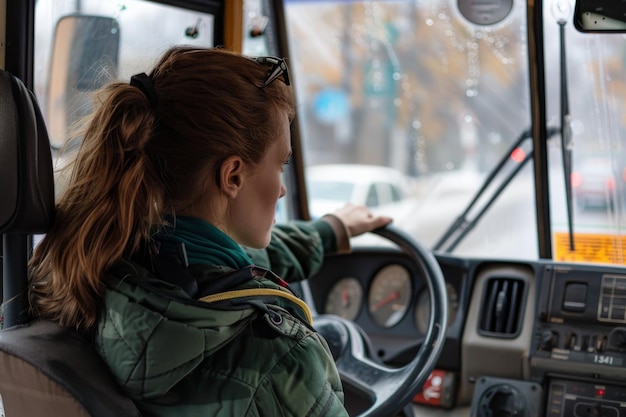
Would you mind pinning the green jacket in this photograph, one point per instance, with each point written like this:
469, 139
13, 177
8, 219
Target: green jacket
176, 356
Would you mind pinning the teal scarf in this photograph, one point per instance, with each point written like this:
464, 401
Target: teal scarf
205, 244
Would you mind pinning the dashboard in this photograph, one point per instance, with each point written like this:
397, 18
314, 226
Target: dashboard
549, 339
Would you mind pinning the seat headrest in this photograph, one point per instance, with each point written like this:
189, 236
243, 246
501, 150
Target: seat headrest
26, 173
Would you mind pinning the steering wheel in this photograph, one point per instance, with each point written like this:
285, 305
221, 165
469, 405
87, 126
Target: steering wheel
390, 389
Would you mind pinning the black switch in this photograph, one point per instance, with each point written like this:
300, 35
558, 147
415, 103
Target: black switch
575, 297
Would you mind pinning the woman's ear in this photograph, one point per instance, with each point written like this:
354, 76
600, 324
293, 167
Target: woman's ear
232, 176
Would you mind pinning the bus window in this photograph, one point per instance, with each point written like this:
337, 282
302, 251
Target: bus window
132, 23
424, 88
376, 89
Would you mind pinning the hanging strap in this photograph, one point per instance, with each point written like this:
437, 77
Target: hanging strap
256, 293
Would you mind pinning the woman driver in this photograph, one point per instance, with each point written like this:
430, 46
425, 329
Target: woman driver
164, 240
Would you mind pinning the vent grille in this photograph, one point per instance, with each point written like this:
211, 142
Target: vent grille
503, 307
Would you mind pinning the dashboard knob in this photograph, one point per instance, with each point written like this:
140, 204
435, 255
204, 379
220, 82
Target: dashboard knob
617, 339
548, 340
502, 400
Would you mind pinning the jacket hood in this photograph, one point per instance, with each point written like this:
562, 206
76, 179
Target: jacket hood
152, 334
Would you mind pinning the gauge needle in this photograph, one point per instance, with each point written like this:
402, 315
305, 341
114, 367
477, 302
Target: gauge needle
391, 297
345, 299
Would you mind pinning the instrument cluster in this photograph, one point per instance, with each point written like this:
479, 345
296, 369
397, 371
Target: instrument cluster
391, 296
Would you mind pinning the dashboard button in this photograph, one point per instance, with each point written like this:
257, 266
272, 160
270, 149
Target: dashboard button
575, 297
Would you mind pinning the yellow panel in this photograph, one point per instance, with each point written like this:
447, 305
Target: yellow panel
591, 248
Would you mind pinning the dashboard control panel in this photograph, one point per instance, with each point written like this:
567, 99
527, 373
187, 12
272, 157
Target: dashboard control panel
582, 399
579, 342
582, 317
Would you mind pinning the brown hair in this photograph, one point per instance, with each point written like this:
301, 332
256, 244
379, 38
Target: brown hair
137, 163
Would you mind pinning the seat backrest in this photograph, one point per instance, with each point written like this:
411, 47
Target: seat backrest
49, 370
45, 369
26, 187
26, 177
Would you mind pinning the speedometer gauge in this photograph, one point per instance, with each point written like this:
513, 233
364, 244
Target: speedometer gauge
389, 295
422, 311
344, 298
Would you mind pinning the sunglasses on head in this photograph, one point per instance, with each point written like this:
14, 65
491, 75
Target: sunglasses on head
277, 69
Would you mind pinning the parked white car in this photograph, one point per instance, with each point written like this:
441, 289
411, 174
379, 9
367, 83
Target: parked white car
331, 186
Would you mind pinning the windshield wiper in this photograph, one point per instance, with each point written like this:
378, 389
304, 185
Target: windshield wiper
463, 224
566, 137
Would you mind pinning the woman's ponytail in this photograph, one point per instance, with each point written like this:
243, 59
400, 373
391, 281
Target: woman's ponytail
112, 202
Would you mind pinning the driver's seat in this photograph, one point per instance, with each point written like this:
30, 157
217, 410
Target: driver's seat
45, 369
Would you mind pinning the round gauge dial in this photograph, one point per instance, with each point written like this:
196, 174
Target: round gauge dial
389, 295
344, 298
422, 311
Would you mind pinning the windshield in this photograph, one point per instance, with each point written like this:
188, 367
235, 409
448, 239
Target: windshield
330, 190
419, 109
441, 94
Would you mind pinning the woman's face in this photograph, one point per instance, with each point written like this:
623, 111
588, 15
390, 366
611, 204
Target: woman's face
253, 212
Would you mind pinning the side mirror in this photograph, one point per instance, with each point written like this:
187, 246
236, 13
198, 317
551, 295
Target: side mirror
600, 16
84, 58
